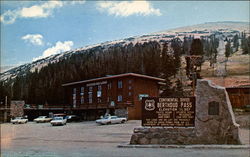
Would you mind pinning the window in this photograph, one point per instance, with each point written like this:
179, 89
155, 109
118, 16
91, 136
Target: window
74, 97
74, 90
90, 95
109, 85
99, 93
74, 93
129, 81
119, 98
82, 95
90, 89
82, 91
129, 93
119, 84
74, 103
108, 99
129, 87
82, 99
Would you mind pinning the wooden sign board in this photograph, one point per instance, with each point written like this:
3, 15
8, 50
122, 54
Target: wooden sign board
168, 112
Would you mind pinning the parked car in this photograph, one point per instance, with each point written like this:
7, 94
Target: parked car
58, 121
42, 119
73, 118
60, 115
111, 120
19, 120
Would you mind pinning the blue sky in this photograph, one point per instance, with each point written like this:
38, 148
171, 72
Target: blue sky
35, 29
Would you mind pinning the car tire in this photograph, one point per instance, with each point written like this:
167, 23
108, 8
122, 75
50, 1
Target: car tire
123, 121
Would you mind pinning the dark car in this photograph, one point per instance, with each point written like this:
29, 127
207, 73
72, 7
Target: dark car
73, 118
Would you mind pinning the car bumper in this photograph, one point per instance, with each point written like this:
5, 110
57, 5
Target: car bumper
57, 123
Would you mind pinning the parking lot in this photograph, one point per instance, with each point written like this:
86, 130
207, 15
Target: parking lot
86, 139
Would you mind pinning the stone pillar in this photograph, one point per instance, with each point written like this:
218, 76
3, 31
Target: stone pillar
214, 122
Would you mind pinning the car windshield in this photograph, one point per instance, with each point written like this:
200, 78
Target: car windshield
42, 117
107, 117
58, 118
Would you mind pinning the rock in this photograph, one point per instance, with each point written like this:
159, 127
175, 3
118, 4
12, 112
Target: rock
213, 127
214, 122
143, 140
154, 141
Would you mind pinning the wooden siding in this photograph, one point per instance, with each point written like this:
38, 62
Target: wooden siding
239, 97
134, 85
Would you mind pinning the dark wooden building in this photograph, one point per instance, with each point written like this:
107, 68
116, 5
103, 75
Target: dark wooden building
118, 94
239, 96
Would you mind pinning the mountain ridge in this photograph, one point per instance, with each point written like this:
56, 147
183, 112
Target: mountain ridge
197, 31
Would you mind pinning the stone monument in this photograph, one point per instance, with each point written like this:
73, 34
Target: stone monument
214, 122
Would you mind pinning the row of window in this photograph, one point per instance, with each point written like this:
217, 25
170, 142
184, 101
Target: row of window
99, 93
99, 100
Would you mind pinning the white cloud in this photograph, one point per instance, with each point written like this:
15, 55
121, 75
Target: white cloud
35, 39
58, 48
127, 8
42, 10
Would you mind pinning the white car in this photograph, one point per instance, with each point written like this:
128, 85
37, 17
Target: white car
111, 120
58, 121
19, 120
42, 119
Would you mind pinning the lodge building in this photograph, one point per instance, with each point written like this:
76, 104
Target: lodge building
117, 94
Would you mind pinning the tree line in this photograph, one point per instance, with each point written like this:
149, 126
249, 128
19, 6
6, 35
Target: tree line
150, 58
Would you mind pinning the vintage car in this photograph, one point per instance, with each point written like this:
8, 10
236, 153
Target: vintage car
60, 115
19, 120
73, 118
58, 121
111, 120
42, 119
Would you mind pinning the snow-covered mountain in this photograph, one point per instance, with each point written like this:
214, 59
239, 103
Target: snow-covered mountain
206, 29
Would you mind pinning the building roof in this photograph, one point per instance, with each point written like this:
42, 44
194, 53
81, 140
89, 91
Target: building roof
115, 76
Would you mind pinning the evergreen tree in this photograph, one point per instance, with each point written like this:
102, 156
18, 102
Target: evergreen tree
228, 49
196, 47
236, 42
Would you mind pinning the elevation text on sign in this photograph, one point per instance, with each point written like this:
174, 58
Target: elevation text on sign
168, 112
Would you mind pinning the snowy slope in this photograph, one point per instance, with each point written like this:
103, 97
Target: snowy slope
197, 31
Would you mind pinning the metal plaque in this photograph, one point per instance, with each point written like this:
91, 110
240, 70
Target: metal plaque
213, 108
168, 112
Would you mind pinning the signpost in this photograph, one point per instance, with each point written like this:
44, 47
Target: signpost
168, 112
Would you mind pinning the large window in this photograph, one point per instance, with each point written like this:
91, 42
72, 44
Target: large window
119, 98
119, 84
90, 95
